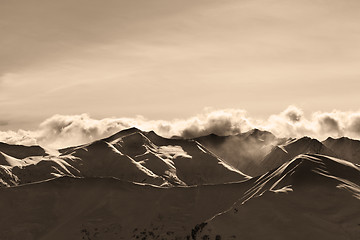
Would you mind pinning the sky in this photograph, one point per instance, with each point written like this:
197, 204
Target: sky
166, 59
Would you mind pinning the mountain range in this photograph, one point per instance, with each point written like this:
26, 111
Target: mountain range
139, 185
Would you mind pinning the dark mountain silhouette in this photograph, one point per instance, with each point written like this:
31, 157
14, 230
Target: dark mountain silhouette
20, 151
107, 208
310, 196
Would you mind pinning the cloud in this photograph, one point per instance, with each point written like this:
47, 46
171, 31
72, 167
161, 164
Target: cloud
69, 130
20, 137
293, 123
354, 124
293, 113
329, 124
221, 122
62, 130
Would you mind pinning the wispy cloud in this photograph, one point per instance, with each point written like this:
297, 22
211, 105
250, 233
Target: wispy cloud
66, 130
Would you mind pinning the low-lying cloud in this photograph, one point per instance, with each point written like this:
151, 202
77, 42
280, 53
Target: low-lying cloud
21, 137
69, 130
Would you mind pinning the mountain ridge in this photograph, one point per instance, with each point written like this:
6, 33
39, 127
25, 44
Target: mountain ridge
168, 161
303, 197
278, 205
132, 156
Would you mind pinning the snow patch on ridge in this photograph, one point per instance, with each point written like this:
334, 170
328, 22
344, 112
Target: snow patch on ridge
171, 152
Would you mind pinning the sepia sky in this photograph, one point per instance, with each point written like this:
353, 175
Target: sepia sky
166, 59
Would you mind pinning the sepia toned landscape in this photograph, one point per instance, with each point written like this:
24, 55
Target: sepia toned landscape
138, 185
179, 120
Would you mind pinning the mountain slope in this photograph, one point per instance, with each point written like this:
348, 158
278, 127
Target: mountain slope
345, 148
177, 160
20, 151
285, 152
130, 155
96, 208
242, 151
311, 196
138, 156
101, 159
32, 169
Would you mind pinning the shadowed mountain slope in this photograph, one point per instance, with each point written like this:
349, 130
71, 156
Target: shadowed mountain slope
243, 151
130, 155
293, 147
312, 196
108, 209
20, 151
178, 162
345, 148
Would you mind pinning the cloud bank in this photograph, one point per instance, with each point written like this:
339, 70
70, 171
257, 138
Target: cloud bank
69, 130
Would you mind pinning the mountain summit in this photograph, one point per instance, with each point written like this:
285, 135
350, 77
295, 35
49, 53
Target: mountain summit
131, 155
